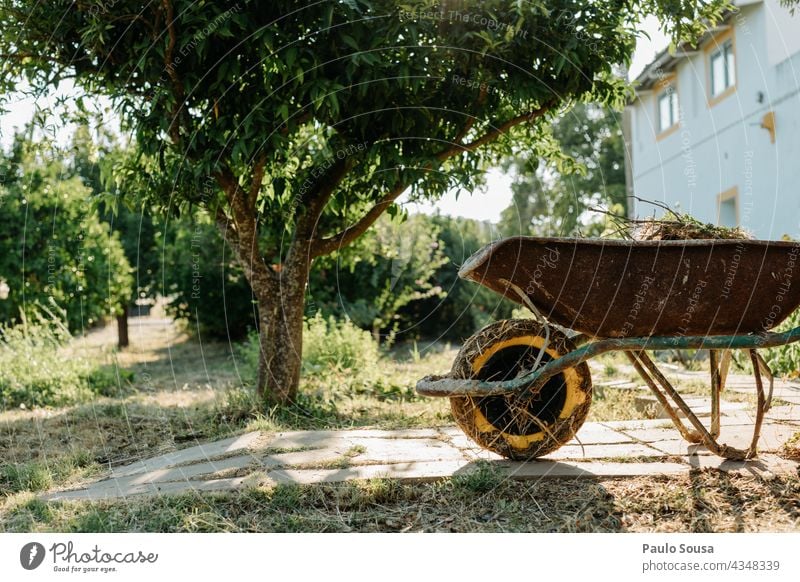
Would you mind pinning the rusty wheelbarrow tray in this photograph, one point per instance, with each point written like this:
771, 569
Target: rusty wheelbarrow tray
631, 296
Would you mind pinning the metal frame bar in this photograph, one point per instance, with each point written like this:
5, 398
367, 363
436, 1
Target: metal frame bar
690, 436
716, 384
762, 403
768, 373
707, 437
444, 386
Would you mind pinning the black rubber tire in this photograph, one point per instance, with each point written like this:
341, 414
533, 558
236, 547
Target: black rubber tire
515, 427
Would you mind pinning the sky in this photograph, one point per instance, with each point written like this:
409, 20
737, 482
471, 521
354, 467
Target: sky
484, 204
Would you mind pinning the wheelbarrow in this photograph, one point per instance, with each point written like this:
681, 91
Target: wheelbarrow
522, 387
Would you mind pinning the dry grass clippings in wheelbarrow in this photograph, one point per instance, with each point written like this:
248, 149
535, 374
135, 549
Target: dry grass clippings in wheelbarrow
684, 227
673, 225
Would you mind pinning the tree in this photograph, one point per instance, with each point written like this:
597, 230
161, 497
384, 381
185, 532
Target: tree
136, 228
466, 306
298, 126
391, 267
551, 201
55, 251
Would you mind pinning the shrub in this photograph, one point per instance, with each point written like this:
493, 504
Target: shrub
329, 345
467, 307
391, 268
34, 370
341, 345
785, 360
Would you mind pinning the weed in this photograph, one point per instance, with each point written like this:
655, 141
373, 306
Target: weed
482, 478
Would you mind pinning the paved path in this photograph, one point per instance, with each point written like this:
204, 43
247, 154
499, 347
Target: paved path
608, 449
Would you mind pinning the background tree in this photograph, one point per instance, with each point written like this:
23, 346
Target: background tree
311, 121
55, 251
552, 201
391, 267
465, 306
92, 159
204, 282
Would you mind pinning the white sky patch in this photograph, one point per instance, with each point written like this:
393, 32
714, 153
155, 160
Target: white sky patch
483, 204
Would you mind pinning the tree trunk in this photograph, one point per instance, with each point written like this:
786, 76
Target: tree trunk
122, 328
281, 337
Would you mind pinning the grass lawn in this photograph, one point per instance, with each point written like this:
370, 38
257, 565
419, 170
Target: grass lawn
176, 392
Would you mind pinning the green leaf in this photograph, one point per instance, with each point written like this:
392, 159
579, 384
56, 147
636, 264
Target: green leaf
350, 41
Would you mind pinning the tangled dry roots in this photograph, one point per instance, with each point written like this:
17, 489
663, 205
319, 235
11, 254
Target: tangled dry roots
466, 409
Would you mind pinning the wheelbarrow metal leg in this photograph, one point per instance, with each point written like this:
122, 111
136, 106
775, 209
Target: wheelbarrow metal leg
651, 383
724, 368
701, 434
762, 402
765, 371
716, 388
709, 441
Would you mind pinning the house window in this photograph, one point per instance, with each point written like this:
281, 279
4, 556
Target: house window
667, 108
728, 208
723, 68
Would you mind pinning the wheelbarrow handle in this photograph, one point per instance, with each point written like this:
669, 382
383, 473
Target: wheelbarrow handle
445, 386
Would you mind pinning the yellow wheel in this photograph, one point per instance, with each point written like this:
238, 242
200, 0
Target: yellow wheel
520, 427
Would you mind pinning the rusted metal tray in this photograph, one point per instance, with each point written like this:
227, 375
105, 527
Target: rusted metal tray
618, 289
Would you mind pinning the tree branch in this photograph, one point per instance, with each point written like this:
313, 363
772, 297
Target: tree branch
495, 133
227, 228
169, 64
255, 184
314, 205
246, 233
323, 191
233, 192
471, 121
328, 245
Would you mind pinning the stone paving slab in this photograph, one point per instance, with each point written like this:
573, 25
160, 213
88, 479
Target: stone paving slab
771, 438
700, 406
679, 448
625, 425
431, 471
601, 451
202, 452
553, 469
789, 414
652, 435
765, 465
298, 439
609, 449
737, 432
411, 472
568, 452
174, 487
596, 433
592, 433
415, 472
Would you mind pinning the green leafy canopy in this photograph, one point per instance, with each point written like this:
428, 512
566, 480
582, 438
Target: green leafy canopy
276, 102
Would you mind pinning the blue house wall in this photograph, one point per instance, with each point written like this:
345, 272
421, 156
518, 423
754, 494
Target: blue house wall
719, 157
